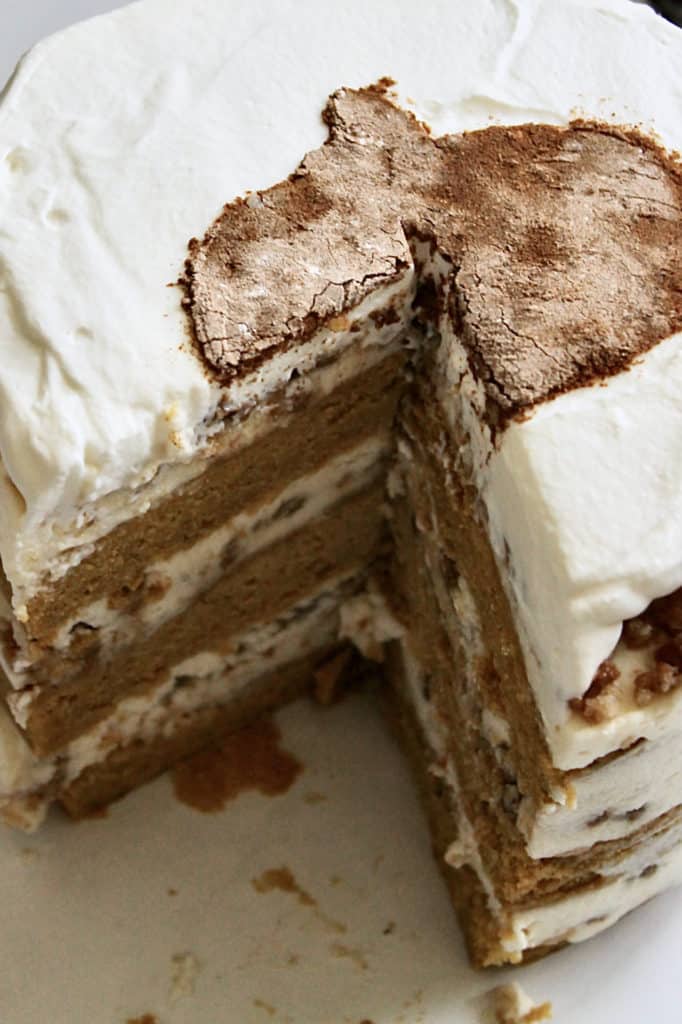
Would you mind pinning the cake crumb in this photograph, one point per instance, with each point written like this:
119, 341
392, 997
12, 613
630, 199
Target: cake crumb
511, 1005
659, 680
146, 1018
260, 1004
314, 797
350, 953
369, 624
185, 969
329, 678
283, 880
93, 813
248, 759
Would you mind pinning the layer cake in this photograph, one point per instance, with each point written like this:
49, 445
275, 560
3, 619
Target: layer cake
419, 397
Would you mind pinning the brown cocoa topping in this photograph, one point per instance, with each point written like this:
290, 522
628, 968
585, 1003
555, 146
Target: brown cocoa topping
541, 308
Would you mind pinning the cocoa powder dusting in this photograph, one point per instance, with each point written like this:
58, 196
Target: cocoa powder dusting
541, 308
248, 759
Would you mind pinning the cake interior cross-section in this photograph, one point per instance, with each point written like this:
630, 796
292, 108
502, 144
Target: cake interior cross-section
422, 351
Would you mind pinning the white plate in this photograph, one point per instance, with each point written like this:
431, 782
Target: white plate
90, 928
92, 934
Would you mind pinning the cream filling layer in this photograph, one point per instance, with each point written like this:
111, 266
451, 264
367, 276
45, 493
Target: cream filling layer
651, 866
207, 679
185, 574
610, 801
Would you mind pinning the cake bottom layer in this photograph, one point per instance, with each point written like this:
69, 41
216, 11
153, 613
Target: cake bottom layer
144, 758
198, 699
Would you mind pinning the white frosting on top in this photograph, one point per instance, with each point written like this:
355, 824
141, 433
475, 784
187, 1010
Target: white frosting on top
122, 138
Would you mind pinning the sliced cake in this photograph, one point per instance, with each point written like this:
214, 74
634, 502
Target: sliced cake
418, 400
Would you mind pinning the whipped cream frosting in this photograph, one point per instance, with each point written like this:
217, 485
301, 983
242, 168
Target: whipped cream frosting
100, 387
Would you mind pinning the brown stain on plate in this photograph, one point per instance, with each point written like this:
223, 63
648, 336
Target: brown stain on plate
250, 759
94, 813
282, 880
260, 1004
350, 953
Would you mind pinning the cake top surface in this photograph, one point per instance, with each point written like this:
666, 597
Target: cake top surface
564, 245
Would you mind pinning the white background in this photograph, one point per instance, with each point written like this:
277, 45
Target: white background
89, 930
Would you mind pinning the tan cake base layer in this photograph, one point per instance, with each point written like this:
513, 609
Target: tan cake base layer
138, 762
305, 435
438, 486
340, 543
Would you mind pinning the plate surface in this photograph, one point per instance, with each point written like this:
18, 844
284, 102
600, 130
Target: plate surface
153, 908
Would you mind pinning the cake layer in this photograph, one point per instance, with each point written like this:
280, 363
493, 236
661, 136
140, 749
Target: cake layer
172, 583
487, 800
135, 763
457, 681
610, 800
199, 695
434, 500
319, 419
561, 812
343, 540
